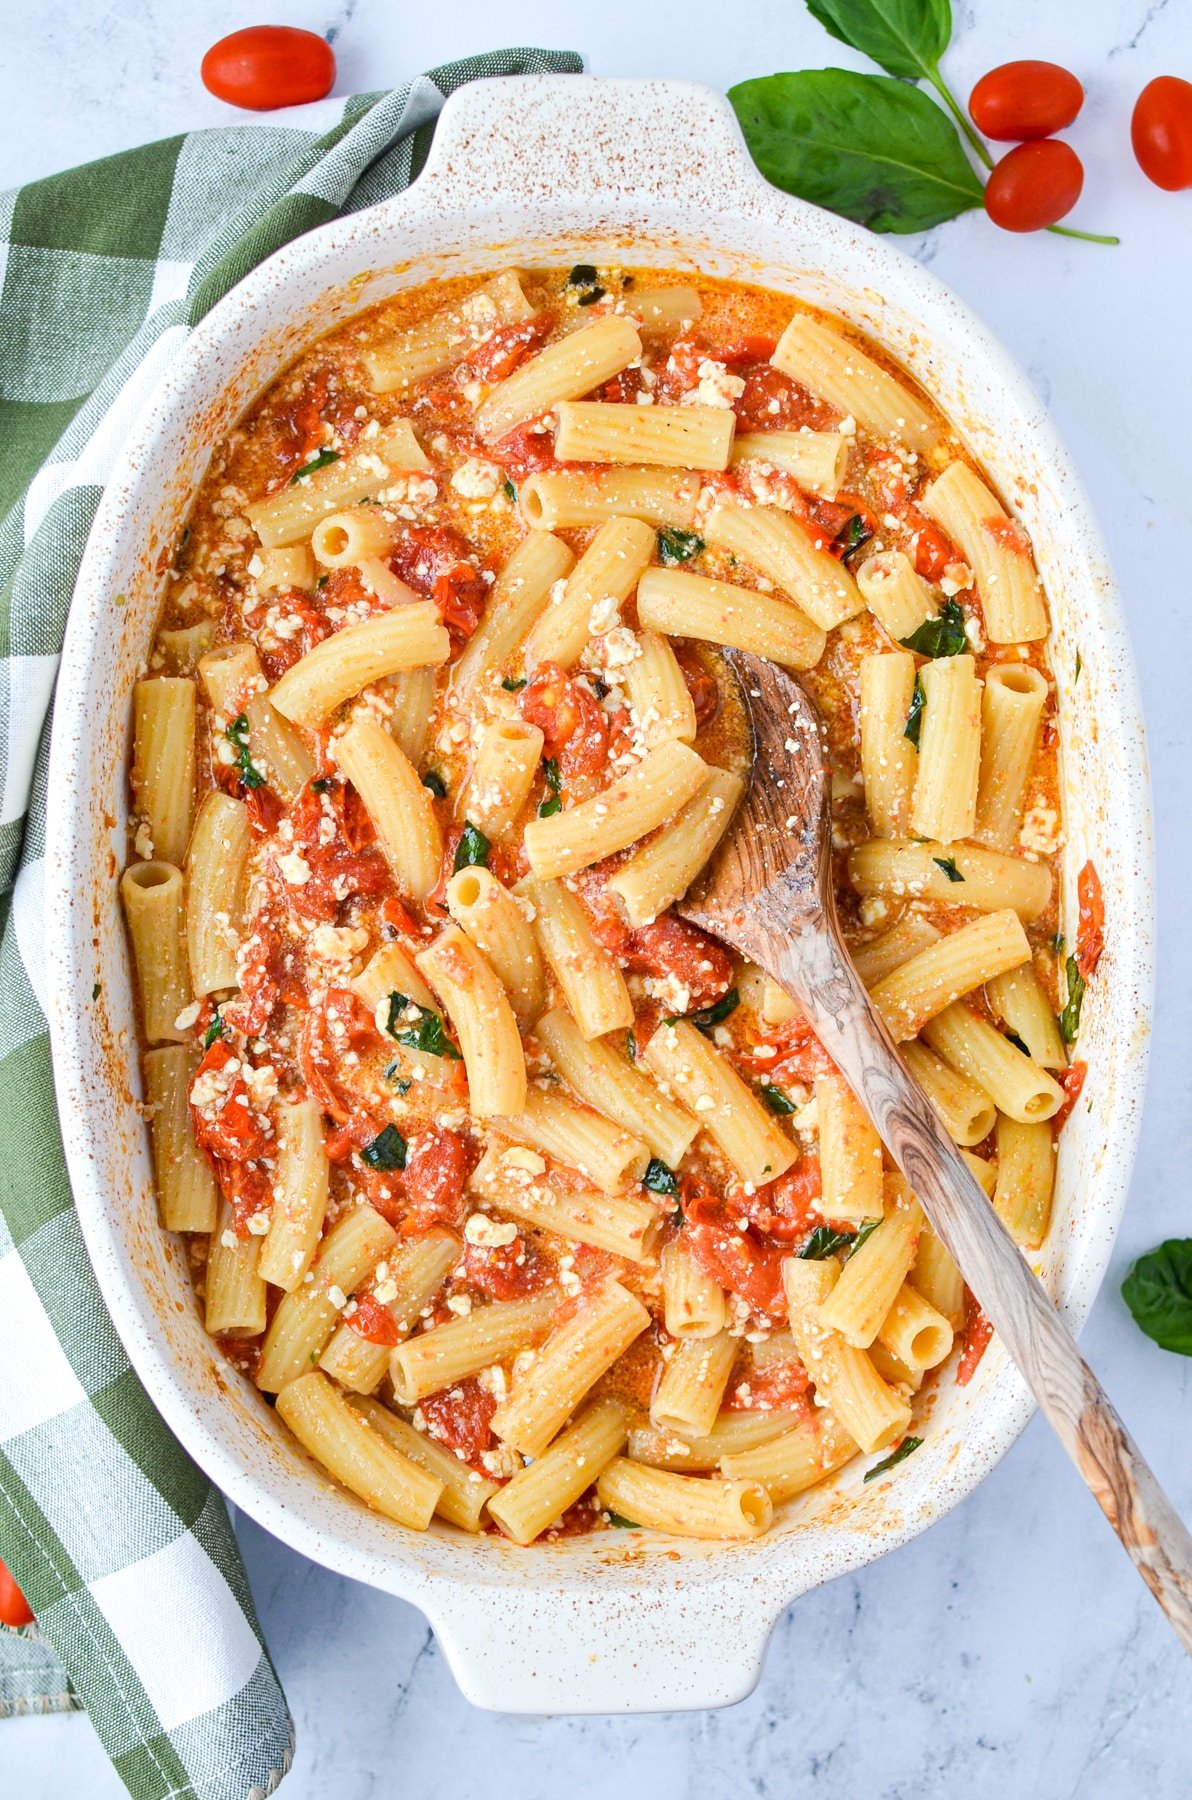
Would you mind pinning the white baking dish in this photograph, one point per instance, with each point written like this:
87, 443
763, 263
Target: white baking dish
560, 169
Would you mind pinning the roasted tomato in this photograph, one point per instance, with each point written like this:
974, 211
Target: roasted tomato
373, 1321
570, 718
348, 863
1090, 930
436, 561
504, 1271
787, 1208
773, 402
339, 1025
506, 346
734, 1253
222, 1120
460, 1417
434, 1178
671, 948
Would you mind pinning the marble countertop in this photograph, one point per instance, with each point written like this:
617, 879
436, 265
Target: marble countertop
1010, 1651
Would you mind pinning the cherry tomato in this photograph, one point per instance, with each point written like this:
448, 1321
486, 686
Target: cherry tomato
1034, 185
266, 66
1022, 100
1161, 132
14, 1608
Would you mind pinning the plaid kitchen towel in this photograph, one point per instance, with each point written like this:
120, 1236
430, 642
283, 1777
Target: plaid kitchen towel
120, 1543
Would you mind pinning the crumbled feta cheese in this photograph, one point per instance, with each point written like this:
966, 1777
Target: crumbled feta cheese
520, 1158
337, 1297
489, 1234
294, 868
716, 386
187, 1017
476, 479
1040, 830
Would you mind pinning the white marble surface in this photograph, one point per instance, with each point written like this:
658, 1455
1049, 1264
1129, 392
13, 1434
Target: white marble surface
1011, 1651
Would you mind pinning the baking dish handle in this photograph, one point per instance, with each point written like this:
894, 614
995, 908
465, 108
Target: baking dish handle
544, 1649
620, 136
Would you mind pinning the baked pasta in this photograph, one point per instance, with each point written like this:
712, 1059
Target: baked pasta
528, 1204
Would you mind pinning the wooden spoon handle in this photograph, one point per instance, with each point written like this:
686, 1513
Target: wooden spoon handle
816, 971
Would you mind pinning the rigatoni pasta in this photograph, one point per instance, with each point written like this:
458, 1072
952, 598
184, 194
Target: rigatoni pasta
537, 1209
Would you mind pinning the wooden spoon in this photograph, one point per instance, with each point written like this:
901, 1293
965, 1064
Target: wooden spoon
769, 894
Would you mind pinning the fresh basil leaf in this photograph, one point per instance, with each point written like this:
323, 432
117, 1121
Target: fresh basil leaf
907, 37
658, 1178
1158, 1291
867, 1230
621, 1524
395, 1078
855, 533
237, 735
509, 491
914, 718
907, 1448
322, 461
591, 296
320, 785
513, 684
873, 149
776, 1100
675, 546
387, 1150
550, 773
1070, 1017
707, 1016
948, 865
824, 1242
214, 1030
434, 781
424, 1032
583, 275
472, 850
942, 636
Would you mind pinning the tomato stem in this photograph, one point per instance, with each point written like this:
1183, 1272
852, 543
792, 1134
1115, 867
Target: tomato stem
1089, 237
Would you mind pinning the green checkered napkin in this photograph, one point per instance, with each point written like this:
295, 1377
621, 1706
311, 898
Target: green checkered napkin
120, 1543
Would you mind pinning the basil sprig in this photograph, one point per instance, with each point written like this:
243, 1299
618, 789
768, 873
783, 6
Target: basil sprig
554, 782
948, 865
1070, 1016
707, 1016
824, 1242
659, 1178
914, 718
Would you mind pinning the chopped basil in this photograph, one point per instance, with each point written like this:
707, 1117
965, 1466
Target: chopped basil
855, 533
824, 1242
631, 1045
675, 546
387, 1150
509, 491
472, 850
776, 1100
322, 461
948, 865
321, 583
867, 1230
914, 718
622, 1524
590, 297
513, 684
583, 275
1070, 1017
320, 786
424, 1032
1017, 1042
434, 781
214, 1030
237, 735
942, 636
394, 1076
707, 1016
907, 1448
550, 773
658, 1178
